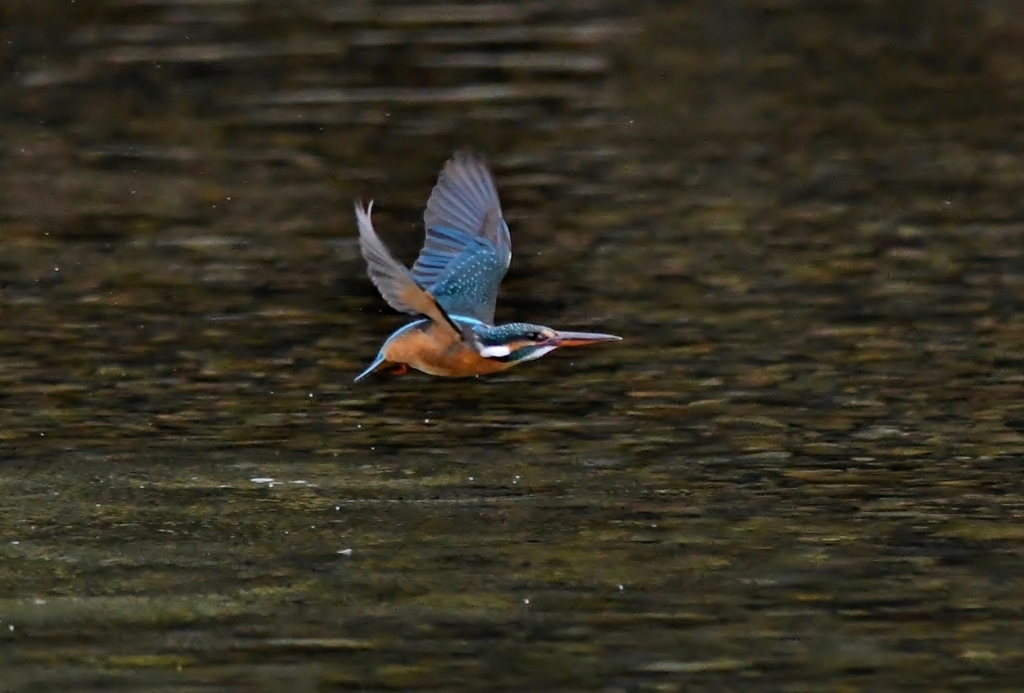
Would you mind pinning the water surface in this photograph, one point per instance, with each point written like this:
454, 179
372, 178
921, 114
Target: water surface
800, 470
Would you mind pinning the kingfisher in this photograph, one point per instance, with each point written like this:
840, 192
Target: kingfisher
453, 286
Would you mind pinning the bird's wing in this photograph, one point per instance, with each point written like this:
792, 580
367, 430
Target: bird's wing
392, 279
468, 248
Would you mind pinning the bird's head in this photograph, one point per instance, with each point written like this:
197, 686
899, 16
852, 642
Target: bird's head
518, 342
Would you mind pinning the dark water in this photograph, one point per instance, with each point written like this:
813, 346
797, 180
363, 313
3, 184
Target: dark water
801, 470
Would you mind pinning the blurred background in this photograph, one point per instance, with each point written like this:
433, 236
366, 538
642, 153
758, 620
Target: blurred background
800, 471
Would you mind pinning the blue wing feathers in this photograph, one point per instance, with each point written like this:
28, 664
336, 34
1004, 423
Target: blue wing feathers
467, 247
433, 259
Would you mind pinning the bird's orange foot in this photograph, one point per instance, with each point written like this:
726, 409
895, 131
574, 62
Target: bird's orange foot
400, 369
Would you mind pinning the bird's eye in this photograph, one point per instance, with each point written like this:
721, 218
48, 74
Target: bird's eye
535, 337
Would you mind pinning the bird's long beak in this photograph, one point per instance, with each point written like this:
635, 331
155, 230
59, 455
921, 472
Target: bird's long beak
572, 339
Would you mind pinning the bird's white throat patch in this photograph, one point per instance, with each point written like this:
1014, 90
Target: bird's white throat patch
495, 352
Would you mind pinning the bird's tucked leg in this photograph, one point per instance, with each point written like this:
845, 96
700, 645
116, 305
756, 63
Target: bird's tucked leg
400, 369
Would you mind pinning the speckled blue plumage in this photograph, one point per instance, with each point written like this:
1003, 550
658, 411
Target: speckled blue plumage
495, 335
468, 247
469, 284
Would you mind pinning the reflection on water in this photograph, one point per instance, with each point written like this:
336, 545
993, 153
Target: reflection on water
798, 472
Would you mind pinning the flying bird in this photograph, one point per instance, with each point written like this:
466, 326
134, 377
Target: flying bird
453, 286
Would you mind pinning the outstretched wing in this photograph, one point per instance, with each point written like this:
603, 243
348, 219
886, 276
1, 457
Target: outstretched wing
468, 249
392, 279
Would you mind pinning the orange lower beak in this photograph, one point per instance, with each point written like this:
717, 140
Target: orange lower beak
572, 339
